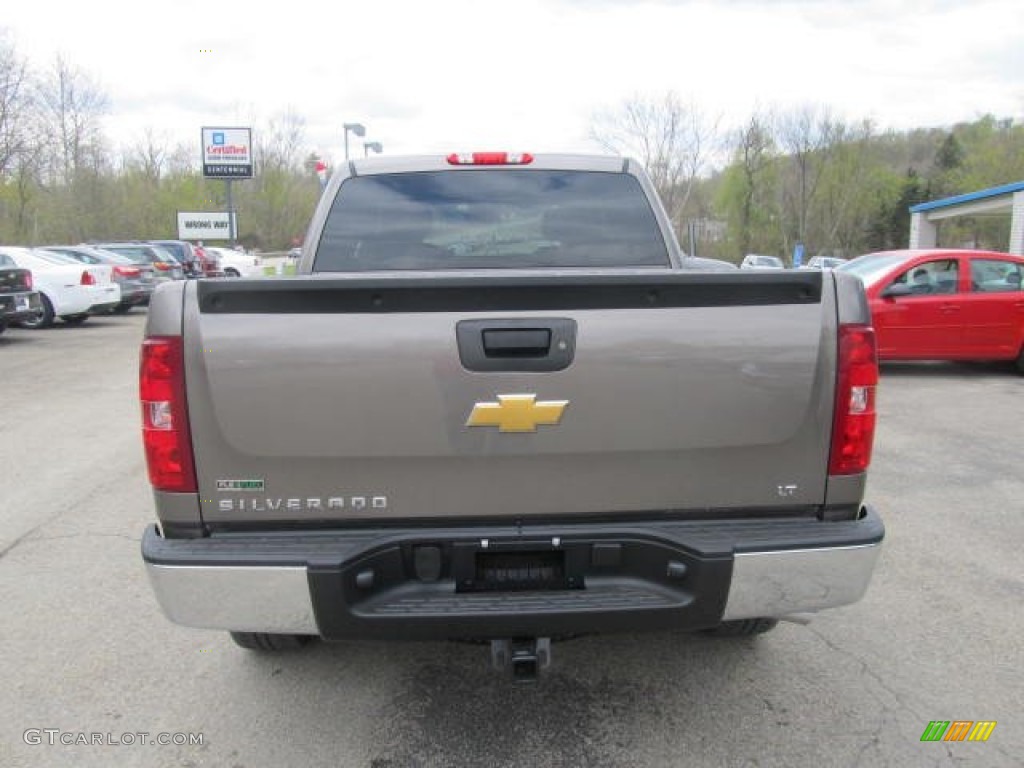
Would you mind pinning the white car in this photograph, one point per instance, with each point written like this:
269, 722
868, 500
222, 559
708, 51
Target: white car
237, 264
756, 261
67, 289
824, 262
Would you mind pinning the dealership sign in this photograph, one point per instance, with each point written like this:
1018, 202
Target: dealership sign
204, 226
227, 153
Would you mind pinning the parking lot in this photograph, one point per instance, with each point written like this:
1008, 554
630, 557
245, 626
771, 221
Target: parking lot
86, 650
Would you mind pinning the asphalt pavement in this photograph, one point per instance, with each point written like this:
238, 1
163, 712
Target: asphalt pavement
87, 655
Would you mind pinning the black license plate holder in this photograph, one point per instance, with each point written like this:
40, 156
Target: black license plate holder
516, 567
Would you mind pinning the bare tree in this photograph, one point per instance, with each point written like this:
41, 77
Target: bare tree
181, 161
808, 135
279, 146
149, 156
72, 105
673, 140
15, 104
279, 200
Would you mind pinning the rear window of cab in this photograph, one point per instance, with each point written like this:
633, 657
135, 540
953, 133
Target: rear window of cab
510, 219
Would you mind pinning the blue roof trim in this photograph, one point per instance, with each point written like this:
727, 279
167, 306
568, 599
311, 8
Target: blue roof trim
970, 197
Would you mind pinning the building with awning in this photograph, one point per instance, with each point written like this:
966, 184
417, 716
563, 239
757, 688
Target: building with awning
1009, 198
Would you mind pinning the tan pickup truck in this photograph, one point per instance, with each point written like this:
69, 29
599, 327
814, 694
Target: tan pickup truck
499, 403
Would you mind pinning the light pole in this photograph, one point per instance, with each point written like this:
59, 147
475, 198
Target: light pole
358, 129
376, 146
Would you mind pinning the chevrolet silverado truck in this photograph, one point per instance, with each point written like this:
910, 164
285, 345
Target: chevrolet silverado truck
498, 403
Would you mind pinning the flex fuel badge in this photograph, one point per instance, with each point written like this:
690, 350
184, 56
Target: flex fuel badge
240, 485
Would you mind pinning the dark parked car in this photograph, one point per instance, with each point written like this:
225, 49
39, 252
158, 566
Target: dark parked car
137, 280
166, 266
18, 301
198, 261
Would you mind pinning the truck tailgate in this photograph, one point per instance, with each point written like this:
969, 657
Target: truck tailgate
352, 398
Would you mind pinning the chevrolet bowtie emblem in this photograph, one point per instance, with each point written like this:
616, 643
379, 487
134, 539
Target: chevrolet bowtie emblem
517, 413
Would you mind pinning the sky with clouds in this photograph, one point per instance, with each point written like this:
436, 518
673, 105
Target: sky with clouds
443, 75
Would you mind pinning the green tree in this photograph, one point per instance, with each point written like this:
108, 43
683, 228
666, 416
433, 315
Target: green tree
890, 225
747, 195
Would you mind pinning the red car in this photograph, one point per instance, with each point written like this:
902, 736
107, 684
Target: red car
944, 304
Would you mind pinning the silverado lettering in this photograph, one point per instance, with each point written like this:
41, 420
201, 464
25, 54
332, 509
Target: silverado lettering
242, 504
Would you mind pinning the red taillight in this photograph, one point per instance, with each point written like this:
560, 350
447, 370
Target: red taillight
127, 272
87, 278
162, 266
165, 433
28, 279
490, 158
853, 425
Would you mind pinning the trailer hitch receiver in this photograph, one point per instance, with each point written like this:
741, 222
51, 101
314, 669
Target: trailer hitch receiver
525, 657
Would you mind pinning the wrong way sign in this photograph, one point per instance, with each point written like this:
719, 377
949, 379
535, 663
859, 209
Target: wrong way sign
204, 225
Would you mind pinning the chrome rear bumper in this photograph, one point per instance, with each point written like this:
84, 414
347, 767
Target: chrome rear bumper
245, 598
318, 583
775, 584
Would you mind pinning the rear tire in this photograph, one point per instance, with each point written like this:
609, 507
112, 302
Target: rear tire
75, 319
1020, 362
122, 309
742, 628
231, 272
265, 641
45, 317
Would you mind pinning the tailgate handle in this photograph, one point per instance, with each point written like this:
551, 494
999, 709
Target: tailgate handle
517, 342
